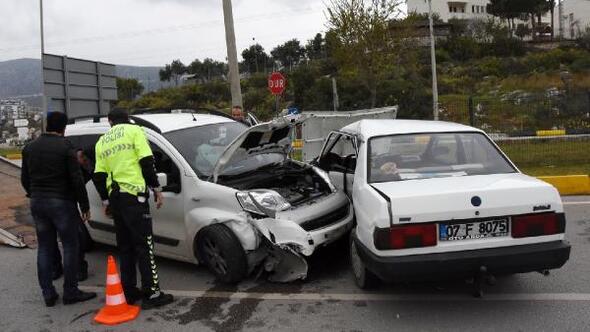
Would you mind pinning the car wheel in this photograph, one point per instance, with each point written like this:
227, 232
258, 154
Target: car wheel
363, 278
221, 251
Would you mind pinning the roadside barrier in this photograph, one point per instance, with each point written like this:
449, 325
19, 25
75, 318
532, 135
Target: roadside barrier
116, 310
569, 184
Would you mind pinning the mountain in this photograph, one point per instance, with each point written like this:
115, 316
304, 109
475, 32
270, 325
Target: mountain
22, 78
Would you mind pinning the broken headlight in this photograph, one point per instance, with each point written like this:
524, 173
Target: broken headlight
262, 202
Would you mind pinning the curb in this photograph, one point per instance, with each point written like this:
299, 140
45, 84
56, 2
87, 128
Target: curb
569, 184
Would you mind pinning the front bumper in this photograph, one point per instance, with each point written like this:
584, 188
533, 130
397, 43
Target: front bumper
498, 261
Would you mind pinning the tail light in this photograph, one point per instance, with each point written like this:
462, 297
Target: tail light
538, 225
405, 237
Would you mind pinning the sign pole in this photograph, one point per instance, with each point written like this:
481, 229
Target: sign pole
433, 64
276, 85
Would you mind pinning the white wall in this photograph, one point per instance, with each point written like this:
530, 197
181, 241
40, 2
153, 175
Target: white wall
441, 7
576, 17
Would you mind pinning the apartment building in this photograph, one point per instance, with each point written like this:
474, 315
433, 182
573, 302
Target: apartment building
575, 16
472, 9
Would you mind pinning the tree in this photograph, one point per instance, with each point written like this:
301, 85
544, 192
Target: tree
363, 42
208, 69
315, 48
289, 53
128, 88
255, 59
173, 71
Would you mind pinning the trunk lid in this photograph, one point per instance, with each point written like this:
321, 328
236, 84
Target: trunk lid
443, 199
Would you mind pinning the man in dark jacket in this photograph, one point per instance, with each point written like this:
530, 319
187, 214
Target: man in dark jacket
52, 179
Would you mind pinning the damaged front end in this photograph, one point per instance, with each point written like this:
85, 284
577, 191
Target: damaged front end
281, 251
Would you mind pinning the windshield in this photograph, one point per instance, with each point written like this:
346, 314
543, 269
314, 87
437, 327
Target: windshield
435, 155
202, 146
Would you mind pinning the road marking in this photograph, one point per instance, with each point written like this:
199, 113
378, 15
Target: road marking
569, 297
576, 203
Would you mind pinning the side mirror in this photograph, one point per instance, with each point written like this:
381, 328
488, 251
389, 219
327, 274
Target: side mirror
163, 179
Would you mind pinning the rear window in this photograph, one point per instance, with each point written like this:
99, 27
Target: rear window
433, 155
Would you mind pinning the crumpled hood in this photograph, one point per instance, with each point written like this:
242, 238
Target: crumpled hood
268, 137
441, 199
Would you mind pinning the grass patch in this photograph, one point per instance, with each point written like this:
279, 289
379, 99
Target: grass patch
550, 156
6, 151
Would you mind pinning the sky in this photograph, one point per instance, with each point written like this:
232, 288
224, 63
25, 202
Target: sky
151, 32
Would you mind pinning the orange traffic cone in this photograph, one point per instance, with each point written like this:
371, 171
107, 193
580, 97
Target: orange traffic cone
116, 310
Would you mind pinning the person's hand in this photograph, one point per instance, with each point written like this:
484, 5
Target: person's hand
159, 199
389, 168
85, 216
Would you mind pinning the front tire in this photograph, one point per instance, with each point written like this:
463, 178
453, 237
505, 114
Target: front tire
221, 251
363, 278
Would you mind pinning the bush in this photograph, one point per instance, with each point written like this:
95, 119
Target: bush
580, 65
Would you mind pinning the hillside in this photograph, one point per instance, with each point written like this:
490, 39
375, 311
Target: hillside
22, 78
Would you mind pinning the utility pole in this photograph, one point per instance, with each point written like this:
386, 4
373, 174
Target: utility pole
43, 98
232, 54
433, 63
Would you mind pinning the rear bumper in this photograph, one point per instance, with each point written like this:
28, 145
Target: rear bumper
498, 261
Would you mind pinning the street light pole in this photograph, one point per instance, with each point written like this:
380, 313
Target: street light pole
232, 54
433, 63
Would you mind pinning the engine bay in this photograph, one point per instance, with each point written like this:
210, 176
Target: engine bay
297, 183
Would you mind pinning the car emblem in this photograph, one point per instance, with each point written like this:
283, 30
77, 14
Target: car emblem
475, 201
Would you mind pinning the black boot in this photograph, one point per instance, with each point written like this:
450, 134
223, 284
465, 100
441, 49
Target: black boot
133, 295
156, 300
79, 296
50, 301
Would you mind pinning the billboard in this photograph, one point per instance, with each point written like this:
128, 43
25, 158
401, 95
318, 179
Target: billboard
78, 87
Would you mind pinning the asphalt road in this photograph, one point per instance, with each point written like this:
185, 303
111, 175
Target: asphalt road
328, 301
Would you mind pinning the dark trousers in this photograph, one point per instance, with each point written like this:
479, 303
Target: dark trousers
133, 227
56, 217
83, 264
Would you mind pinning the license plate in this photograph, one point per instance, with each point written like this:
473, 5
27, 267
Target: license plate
474, 230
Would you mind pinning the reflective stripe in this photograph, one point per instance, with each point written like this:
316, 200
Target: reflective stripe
113, 279
115, 299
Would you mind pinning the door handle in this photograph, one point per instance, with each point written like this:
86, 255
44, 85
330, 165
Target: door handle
195, 199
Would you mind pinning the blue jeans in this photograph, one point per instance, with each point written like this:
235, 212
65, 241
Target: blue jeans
54, 217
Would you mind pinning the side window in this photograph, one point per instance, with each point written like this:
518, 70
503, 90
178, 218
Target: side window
339, 154
165, 164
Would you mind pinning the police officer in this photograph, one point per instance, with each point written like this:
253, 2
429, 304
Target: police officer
124, 173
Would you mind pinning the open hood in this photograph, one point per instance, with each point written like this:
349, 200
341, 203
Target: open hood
267, 138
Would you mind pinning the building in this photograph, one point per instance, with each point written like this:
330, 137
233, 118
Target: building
472, 9
11, 109
575, 18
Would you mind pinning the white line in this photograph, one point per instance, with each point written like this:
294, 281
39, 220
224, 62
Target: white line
570, 297
576, 203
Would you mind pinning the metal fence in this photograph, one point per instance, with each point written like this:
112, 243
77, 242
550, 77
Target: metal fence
545, 133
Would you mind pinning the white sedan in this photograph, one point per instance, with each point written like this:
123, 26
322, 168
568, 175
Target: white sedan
437, 199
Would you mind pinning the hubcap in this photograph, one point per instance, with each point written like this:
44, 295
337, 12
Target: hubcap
215, 257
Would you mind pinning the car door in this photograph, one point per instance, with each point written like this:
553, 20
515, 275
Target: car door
338, 157
168, 221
